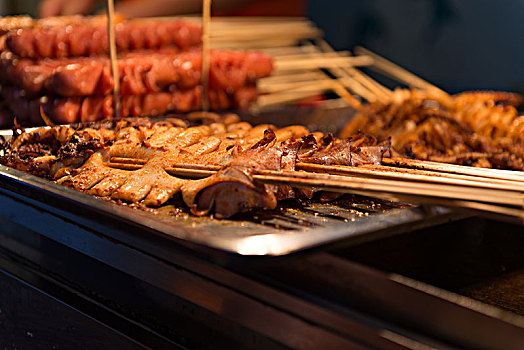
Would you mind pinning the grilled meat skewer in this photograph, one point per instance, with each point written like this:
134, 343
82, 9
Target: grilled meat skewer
238, 148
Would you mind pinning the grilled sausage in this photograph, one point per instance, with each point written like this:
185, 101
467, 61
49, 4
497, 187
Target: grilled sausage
67, 110
140, 72
91, 38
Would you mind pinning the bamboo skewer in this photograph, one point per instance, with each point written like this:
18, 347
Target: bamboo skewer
206, 19
290, 78
315, 85
510, 180
313, 55
342, 184
326, 62
381, 92
391, 69
360, 83
456, 169
322, 82
379, 171
288, 97
113, 56
458, 189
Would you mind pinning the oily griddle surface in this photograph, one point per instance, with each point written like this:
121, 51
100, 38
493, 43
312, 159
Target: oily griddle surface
291, 214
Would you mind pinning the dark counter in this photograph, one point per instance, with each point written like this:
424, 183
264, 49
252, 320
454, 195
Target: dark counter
73, 286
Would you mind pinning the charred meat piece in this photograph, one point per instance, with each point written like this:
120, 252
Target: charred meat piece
232, 190
347, 152
44, 152
81, 158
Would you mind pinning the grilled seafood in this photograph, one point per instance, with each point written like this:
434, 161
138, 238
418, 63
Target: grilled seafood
81, 158
481, 129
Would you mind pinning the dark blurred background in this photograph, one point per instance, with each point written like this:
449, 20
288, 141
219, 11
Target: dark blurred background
456, 44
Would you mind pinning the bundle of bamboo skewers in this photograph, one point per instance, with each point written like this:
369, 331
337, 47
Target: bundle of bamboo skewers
305, 65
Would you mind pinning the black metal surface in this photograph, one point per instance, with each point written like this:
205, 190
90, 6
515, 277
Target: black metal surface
478, 258
176, 295
329, 301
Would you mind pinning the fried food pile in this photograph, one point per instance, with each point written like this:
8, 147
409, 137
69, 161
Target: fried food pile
482, 129
62, 66
80, 158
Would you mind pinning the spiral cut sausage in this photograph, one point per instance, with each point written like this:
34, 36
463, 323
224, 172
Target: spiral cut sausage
59, 66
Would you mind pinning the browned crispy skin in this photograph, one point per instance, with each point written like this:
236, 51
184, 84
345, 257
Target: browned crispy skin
90, 38
44, 152
140, 72
69, 110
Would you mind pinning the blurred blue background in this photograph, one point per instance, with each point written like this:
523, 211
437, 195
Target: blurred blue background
456, 44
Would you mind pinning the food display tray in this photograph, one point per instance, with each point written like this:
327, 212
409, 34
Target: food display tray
294, 226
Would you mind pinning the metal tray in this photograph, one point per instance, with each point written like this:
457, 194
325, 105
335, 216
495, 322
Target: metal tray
292, 227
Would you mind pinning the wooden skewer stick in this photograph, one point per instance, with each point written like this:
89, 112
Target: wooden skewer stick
312, 55
343, 184
356, 81
314, 84
513, 183
396, 72
336, 85
287, 97
456, 169
378, 171
255, 45
340, 90
123, 160
383, 93
306, 62
322, 83
473, 191
113, 56
206, 19
290, 78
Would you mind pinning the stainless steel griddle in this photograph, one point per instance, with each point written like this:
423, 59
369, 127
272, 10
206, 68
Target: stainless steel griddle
292, 227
